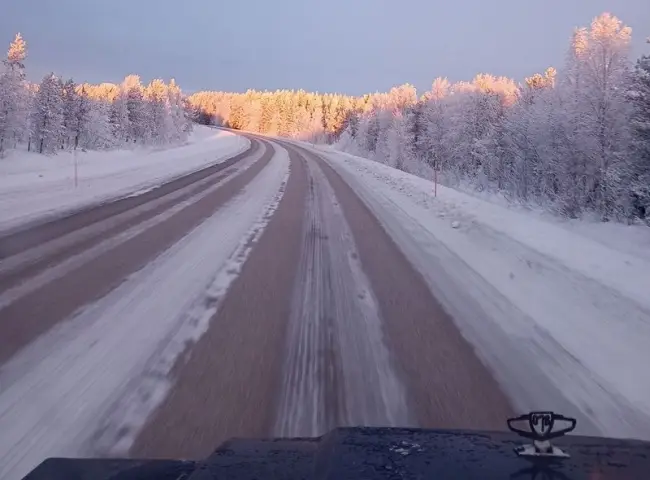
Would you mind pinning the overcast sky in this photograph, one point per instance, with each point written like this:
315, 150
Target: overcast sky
348, 46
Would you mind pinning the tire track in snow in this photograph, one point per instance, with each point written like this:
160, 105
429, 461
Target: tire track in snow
447, 385
338, 371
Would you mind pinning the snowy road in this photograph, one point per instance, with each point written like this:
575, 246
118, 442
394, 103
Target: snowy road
325, 324
282, 292
258, 296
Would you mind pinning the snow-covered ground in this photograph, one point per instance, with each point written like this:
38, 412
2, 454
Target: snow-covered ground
34, 186
70, 393
560, 311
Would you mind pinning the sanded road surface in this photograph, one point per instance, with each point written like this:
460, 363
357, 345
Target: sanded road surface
322, 321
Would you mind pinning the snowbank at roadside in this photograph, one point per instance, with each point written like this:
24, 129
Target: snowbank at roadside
33, 186
560, 311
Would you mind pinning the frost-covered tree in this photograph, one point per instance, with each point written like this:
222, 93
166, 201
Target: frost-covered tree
13, 96
432, 143
82, 116
596, 85
48, 115
181, 125
526, 144
119, 119
136, 109
400, 144
98, 132
71, 118
640, 176
158, 118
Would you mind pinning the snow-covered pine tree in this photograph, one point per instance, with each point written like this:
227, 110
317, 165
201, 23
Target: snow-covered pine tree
119, 119
136, 109
47, 116
98, 132
393, 150
237, 116
384, 121
433, 144
523, 125
13, 96
82, 116
70, 114
640, 178
399, 143
158, 119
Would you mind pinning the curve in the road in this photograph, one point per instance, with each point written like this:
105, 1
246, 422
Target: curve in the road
326, 323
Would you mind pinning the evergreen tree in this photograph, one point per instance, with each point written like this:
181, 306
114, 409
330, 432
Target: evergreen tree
640, 178
70, 114
48, 115
82, 117
137, 114
13, 96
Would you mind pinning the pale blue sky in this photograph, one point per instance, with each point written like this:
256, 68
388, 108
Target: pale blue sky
350, 46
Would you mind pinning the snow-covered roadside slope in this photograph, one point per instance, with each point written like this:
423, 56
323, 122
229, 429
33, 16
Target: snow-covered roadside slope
562, 320
33, 186
85, 387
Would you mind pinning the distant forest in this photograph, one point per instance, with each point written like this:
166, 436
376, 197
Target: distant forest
574, 140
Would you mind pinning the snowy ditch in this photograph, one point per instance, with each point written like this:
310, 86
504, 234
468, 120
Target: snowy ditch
88, 385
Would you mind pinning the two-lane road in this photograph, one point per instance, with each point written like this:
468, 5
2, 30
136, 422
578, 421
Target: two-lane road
310, 317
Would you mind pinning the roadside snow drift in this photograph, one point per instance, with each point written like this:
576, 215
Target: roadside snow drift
33, 186
562, 319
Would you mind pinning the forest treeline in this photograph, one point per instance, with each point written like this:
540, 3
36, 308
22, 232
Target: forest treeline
58, 114
574, 140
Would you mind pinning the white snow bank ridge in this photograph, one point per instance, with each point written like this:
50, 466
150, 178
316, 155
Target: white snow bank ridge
34, 186
562, 319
